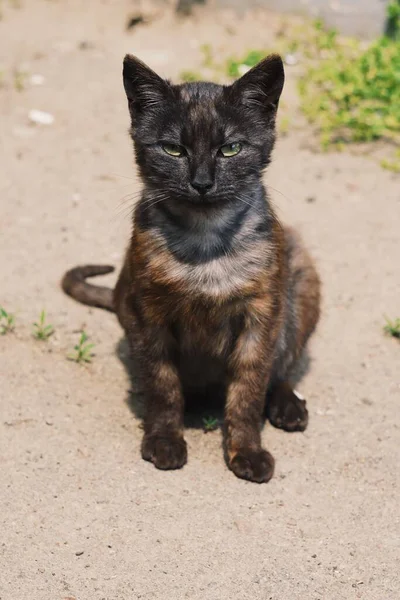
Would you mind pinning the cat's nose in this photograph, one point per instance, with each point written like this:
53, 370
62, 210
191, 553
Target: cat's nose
202, 182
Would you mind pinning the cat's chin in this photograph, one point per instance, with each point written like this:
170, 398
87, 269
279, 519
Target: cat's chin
204, 201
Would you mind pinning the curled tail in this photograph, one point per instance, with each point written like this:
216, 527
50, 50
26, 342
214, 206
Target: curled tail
74, 284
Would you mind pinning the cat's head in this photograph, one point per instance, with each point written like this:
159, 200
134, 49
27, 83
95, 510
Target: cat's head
202, 142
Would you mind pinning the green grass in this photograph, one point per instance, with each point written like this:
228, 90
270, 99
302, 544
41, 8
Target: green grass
210, 424
7, 321
353, 94
41, 330
349, 91
235, 67
392, 328
82, 351
393, 164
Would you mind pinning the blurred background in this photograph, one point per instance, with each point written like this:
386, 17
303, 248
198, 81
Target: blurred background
83, 517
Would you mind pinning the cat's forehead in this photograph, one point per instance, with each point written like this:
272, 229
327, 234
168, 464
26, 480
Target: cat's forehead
199, 92
202, 111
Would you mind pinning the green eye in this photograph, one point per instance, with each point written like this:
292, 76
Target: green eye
230, 149
173, 149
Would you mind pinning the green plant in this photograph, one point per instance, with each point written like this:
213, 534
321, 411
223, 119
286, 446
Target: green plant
210, 424
82, 351
392, 327
7, 321
350, 93
392, 165
41, 330
235, 67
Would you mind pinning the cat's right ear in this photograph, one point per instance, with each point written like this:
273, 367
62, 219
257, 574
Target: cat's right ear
144, 88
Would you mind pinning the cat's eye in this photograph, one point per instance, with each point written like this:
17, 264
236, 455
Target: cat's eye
173, 149
230, 149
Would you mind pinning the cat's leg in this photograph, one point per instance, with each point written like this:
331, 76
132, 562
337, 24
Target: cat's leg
153, 347
285, 408
245, 405
163, 443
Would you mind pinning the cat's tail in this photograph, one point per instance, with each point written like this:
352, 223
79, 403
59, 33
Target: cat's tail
74, 284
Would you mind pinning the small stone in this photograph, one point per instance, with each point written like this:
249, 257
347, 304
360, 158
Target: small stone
40, 117
291, 60
76, 198
367, 401
36, 79
79, 553
85, 45
135, 20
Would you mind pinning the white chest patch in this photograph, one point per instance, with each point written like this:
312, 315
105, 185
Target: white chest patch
223, 277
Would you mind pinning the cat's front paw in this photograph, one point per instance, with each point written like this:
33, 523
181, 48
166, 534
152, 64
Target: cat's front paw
165, 452
255, 466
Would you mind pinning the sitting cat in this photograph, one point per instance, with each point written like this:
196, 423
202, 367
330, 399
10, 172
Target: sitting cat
214, 291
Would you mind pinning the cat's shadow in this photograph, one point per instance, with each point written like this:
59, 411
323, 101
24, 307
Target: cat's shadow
196, 413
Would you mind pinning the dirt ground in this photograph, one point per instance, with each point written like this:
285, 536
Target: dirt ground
82, 516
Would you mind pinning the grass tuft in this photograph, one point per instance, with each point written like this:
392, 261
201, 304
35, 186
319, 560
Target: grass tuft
210, 424
392, 328
41, 330
7, 321
82, 351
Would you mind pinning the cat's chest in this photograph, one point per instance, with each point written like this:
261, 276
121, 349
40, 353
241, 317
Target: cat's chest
226, 277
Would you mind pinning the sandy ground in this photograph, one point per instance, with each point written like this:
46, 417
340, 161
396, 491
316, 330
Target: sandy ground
82, 516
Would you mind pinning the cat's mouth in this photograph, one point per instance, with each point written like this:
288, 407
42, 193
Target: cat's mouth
203, 199
206, 199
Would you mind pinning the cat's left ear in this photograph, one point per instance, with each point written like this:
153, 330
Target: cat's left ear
143, 87
262, 86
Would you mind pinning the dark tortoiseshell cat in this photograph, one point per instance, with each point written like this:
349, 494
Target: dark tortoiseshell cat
214, 295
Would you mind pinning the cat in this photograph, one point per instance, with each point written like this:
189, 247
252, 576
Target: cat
214, 294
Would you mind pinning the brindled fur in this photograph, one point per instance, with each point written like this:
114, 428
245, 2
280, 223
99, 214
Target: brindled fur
214, 293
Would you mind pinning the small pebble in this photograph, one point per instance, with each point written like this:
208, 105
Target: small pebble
40, 117
135, 20
291, 60
79, 553
85, 45
36, 79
